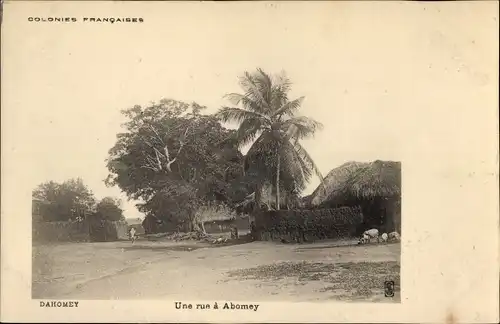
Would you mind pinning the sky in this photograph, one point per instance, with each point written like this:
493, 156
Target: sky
367, 75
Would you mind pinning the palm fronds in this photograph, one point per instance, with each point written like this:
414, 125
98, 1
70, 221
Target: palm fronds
301, 127
248, 131
289, 108
227, 114
304, 156
247, 103
267, 118
253, 90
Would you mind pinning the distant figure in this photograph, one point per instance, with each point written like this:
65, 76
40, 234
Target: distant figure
253, 233
132, 235
234, 232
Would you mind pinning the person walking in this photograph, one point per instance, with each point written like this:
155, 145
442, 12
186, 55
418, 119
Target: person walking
132, 235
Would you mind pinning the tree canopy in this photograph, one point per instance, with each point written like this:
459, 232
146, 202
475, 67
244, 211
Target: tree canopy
72, 200
109, 209
175, 159
65, 201
171, 156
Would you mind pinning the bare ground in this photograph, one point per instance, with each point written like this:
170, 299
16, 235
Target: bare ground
257, 271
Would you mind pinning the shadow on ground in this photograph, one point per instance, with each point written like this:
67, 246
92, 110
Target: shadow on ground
348, 281
187, 247
161, 248
353, 243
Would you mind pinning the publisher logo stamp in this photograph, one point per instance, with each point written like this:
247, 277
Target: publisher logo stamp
389, 288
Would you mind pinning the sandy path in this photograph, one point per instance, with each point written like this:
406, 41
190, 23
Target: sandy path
153, 271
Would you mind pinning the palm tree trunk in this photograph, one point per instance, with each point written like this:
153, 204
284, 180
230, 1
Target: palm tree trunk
258, 198
278, 183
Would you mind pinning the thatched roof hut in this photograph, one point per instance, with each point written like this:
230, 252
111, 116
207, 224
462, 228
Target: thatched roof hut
218, 213
379, 179
376, 186
334, 182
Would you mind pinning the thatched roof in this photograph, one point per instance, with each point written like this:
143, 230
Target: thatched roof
378, 179
359, 180
219, 217
218, 213
334, 182
39, 201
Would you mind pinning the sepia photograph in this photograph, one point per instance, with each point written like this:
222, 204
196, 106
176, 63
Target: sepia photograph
216, 157
223, 210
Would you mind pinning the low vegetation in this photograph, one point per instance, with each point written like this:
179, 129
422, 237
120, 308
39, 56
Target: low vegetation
350, 280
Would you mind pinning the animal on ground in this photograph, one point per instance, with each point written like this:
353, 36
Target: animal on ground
394, 237
371, 232
383, 238
219, 240
368, 236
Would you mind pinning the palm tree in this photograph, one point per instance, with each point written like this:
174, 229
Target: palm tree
267, 119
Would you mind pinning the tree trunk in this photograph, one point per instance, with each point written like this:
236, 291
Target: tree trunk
257, 198
278, 183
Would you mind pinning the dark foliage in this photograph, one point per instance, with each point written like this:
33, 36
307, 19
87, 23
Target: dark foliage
70, 200
109, 209
174, 158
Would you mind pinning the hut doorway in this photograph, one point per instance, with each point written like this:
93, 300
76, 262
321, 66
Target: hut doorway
381, 213
375, 214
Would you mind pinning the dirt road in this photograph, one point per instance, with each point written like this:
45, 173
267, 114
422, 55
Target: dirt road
163, 270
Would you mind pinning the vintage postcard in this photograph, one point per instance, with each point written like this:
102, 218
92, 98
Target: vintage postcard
244, 162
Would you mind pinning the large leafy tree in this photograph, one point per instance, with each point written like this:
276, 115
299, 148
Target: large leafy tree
172, 157
109, 209
70, 200
268, 119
